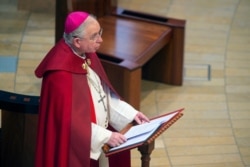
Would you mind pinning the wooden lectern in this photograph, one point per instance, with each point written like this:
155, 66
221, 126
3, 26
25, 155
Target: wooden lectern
135, 45
143, 136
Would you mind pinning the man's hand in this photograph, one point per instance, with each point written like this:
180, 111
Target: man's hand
116, 139
141, 118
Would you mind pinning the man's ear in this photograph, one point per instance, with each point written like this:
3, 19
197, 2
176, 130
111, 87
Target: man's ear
76, 42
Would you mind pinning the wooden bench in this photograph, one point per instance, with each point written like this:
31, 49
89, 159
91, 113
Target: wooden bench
19, 128
136, 45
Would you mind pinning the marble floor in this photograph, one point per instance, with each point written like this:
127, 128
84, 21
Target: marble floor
215, 128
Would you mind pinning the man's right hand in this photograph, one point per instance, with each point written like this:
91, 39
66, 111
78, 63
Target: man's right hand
116, 139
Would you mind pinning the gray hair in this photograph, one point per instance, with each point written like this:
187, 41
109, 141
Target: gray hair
79, 31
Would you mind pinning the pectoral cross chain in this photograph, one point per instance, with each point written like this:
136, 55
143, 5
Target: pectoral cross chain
102, 100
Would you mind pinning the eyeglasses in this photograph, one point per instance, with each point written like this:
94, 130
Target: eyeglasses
93, 37
96, 36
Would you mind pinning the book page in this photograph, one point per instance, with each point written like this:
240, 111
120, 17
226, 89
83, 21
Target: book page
135, 140
142, 132
141, 129
147, 127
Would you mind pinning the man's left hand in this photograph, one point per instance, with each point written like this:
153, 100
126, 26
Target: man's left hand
140, 118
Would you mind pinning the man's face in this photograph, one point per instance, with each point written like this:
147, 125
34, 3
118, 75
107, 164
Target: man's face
91, 40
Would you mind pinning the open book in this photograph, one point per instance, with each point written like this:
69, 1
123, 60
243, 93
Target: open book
144, 133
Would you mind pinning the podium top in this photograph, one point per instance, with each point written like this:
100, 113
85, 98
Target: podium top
131, 40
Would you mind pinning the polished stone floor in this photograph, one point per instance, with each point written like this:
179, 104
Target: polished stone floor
215, 128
